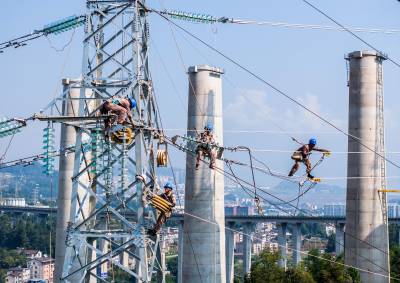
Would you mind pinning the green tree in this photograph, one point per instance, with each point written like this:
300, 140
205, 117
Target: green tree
298, 275
265, 269
5, 230
21, 238
3, 275
117, 275
172, 266
325, 268
393, 234
395, 262
11, 258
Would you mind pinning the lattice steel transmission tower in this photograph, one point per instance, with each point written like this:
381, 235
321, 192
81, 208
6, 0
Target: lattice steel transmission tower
109, 211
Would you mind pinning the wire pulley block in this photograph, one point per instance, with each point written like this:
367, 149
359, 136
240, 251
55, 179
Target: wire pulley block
162, 155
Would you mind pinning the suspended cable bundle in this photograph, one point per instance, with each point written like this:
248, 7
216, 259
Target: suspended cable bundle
161, 204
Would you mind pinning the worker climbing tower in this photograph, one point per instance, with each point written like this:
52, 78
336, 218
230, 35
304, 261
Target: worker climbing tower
366, 235
204, 242
100, 239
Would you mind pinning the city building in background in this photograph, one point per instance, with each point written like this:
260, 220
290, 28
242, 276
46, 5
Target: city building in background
335, 209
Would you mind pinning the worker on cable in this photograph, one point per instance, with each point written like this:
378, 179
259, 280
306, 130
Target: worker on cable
302, 155
121, 107
205, 146
169, 196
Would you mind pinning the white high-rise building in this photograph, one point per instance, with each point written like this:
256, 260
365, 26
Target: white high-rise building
393, 210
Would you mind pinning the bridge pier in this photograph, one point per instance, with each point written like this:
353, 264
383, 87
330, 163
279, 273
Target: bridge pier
230, 251
339, 238
247, 243
398, 237
180, 251
282, 228
296, 243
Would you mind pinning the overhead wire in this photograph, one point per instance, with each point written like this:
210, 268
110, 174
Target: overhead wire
316, 27
232, 131
302, 252
236, 179
157, 108
64, 46
179, 52
239, 180
283, 131
349, 31
208, 19
279, 91
254, 185
276, 89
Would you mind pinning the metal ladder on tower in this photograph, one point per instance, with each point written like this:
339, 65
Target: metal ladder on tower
381, 141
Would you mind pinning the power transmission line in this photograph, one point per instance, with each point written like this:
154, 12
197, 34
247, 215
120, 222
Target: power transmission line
349, 31
203, 18
241, 181
279, 91
303, 252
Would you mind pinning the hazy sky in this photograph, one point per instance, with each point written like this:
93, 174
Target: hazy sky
307, 64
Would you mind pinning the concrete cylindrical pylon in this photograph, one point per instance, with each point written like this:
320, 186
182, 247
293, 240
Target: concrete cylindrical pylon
204, 242
366, 238
70, 107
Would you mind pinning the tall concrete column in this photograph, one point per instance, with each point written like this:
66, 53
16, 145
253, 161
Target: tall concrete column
282, 228
70, 107
247, 245
296, 243
230, 252
339, 238
204, 244
180, 251
366, 241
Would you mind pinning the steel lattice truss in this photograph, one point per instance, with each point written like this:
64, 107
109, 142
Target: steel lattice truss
100, 238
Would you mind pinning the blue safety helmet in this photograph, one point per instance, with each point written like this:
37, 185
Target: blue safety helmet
209, 127
168, 185
313, 141
132, 102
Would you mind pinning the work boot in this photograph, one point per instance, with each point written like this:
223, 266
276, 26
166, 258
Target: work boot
293, 170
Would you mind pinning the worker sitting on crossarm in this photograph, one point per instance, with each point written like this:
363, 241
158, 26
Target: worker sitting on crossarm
119, 106
205, 146
169, 196
302, 155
